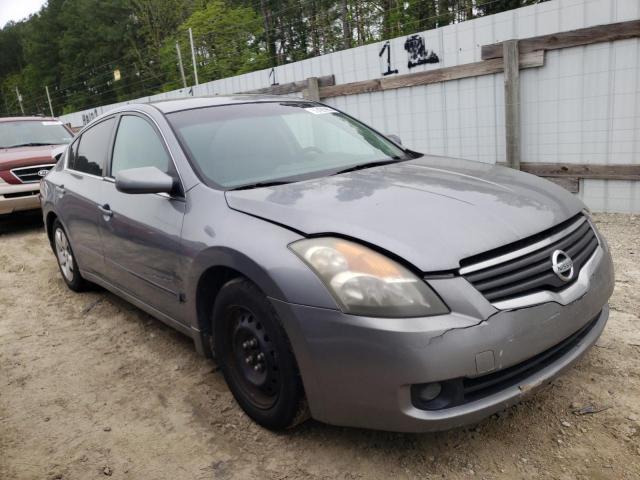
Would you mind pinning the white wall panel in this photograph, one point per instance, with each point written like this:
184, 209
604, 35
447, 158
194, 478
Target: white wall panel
583, 106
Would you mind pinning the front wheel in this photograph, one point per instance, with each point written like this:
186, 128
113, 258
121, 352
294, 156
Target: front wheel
255, 356
66, 259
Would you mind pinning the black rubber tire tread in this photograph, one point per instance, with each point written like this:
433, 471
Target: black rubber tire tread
78, 284
290, 408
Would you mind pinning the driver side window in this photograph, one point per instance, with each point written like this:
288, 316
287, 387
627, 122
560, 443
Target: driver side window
138, 145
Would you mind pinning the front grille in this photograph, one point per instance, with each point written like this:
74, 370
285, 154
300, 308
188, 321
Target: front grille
525, 267
479, 387
31, 174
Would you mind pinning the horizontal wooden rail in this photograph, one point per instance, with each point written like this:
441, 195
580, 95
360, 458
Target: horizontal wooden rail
294, 87
580, 170
533, 59
572, 38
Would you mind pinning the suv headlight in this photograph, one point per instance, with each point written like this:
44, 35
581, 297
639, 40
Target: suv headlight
363, 282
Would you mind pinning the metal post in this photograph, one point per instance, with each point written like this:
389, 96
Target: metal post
193, 57
511, 58
184, 80
49, 98
19, 100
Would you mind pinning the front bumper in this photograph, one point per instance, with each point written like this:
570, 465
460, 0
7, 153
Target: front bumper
14, 198
358, 371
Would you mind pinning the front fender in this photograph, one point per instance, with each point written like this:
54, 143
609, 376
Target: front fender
214, 235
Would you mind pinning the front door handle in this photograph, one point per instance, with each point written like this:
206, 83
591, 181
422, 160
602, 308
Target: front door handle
106, 210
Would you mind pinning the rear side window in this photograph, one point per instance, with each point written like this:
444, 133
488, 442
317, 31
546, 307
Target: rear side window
138, 145
92, 149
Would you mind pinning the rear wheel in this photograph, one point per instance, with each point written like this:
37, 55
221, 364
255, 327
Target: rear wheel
66, 259
255, 356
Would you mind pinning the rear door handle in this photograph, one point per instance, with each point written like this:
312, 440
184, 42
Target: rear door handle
60, 189
106, 210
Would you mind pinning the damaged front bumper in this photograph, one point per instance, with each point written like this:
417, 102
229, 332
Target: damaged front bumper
362, 371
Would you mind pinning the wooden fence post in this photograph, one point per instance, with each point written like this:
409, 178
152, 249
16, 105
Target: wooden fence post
511, 57
312, 92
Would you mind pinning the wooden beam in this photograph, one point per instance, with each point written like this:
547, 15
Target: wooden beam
571, 184
293, 87
512, 102
579, 170
534, 59
351, 88
573, 38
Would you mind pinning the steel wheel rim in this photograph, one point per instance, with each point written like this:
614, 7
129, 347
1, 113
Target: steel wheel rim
63, 252
252, 358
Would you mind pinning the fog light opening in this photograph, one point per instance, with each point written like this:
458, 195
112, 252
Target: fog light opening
429, 391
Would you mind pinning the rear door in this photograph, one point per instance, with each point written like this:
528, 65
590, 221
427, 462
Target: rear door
79, 191
141, 234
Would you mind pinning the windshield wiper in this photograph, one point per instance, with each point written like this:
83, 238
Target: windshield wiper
258, 185
31, 144
362, 166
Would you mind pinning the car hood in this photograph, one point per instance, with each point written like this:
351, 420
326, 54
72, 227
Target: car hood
431, 211
25, 156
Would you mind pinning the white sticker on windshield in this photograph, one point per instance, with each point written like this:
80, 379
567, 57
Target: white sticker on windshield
320, 110
51, 122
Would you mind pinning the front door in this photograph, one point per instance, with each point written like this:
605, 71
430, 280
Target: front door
141, 232
79, 194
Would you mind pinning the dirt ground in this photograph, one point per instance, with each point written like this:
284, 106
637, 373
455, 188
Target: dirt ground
91, 387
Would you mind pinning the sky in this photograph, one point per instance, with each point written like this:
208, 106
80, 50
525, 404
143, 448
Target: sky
18, 9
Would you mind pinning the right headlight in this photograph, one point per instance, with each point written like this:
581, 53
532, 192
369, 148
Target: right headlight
364, 282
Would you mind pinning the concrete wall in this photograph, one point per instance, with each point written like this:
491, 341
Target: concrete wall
583, 106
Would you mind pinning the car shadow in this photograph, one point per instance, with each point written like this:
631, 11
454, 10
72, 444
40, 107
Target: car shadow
21, 222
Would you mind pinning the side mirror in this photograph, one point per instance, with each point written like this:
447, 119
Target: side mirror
144, 180
395, 138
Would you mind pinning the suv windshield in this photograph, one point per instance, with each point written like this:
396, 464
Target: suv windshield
21, 133
260, 143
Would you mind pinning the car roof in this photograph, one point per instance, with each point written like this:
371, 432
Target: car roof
175, 105
22, 119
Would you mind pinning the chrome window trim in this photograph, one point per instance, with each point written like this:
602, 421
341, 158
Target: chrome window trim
82, 174
523, 251
563, 297
30, 166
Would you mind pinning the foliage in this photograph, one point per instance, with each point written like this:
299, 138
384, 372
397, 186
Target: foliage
75, 46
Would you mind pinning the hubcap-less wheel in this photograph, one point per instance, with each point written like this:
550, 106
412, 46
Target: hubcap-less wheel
253, 361
63, 252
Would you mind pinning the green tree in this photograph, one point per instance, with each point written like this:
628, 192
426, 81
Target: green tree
226, 39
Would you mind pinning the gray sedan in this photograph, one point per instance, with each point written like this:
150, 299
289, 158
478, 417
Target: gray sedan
332, 272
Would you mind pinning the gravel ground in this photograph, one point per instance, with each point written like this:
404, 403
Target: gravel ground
91, 387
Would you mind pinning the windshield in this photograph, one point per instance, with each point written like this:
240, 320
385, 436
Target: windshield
21, 133
253, 143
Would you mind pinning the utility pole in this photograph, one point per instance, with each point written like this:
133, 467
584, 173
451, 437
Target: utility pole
184, 81
49, 98
193, 56
6, 104
19, 100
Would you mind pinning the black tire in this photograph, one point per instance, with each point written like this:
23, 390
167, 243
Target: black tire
66, 259
268, 387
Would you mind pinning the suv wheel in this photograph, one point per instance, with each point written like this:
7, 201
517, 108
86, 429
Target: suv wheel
255, 357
